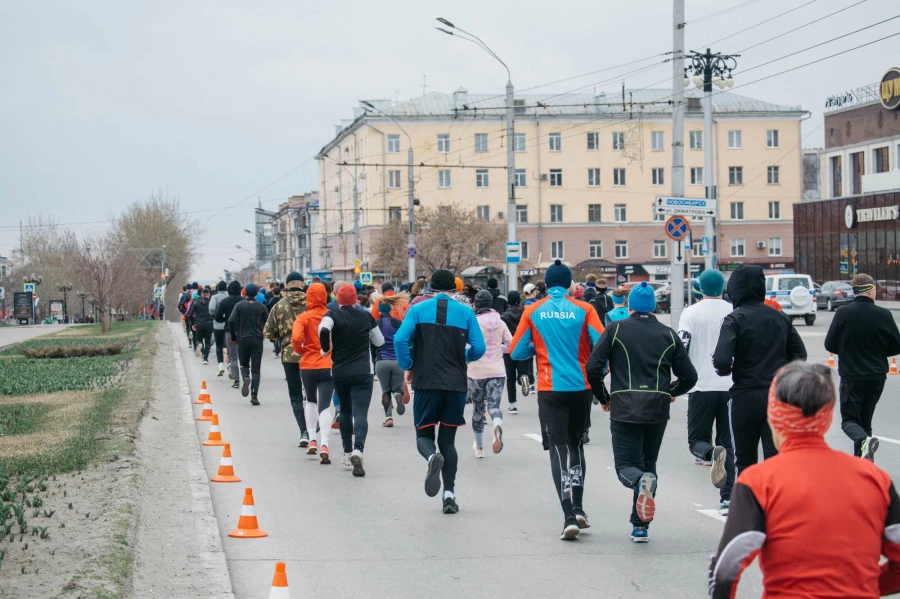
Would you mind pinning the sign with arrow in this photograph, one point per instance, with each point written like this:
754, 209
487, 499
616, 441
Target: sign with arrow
687, 206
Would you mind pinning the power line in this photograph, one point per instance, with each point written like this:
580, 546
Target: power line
778, 16
719, 13
800, 27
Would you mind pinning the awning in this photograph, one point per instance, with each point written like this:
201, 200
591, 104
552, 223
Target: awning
481, 271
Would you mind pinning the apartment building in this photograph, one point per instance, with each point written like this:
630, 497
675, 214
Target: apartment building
588, 170
285, 237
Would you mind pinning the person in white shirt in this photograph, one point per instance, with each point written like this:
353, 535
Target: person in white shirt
708, 401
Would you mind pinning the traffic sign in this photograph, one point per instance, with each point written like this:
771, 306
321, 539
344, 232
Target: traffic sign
29, 288
2, 293
686, 206
357, 263
677, 228
704, 245
412, 253
157, 292
365, 278
513, 252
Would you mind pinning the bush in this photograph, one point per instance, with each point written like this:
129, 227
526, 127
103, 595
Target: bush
73, 351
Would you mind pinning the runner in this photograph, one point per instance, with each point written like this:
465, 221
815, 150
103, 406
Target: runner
431, 348
349, 334
620, 309
590, 287
819, 519
315, 369
279, 327
708, 401
182, 306
219, 327
531, 292
246, 324
862, 335
499, 302
224, 308
390, 375
272, 298
519, 372
547, 330
202, 323
642, 354
486, 375
755, 341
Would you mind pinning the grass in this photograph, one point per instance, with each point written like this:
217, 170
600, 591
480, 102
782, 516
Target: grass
21, 419
63, 342
118, 329
30, 375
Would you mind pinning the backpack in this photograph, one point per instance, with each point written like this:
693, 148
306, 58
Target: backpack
601, 304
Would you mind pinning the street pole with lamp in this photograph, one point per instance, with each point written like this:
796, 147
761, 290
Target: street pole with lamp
253, 257
82, 295
710, 69
411, 241
512, 269
65, 289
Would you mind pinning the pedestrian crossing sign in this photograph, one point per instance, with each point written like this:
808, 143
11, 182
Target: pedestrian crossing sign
365, 278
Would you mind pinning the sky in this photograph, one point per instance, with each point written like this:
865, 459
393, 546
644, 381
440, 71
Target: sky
224, 104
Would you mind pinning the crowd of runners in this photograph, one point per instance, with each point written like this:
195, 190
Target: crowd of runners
740, 363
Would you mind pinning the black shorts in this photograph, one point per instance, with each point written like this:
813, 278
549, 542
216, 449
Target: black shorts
431, 408
563, 416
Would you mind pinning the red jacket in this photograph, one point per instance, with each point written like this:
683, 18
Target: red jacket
305, 334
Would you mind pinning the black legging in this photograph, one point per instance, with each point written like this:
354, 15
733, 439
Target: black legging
446, 442
204, 337
514, 370
219, 335
295, 391
250, 356
568, 468
355, 394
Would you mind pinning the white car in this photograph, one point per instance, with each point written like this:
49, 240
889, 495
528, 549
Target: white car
796, 294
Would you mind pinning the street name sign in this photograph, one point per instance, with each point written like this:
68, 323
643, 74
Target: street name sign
686, 206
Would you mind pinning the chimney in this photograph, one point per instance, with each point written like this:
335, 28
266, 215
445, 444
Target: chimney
460, 97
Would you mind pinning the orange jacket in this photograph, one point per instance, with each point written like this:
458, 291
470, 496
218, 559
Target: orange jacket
305, 333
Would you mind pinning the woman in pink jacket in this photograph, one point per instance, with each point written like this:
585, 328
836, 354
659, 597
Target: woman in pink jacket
488, 374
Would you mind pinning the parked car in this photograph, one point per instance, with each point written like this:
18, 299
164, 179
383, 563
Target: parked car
664, 297
835, 294
796, 294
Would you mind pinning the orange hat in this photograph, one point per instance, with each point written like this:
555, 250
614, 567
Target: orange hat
459, 284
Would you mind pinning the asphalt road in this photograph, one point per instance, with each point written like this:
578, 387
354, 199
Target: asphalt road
14, 334
381, 536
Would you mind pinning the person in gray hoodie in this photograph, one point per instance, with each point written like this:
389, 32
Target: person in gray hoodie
219, 327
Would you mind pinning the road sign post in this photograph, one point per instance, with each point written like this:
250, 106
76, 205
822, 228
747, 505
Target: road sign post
513, 252
365, 278
678, 229
686, 206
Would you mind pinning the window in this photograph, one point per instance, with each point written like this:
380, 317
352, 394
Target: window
394, 214
696, 175
737, 248
557, 250
520, 180
481, 177
524, 251
393, 144
593, 177
519, 142
593, 140
697, 247
774, 210
857, 170
443, 143
737, 210
774, 246
618, 177
556, 213
659, 249
595, 249
481, 142
696, 140
773, 177
881, 162
657, 216
521, 213
618, 139
657, 141
735, 140
837, 184
620, 213
658, 176
555, 177
772, 138
483, 212
519, 106
394, 179
555, 142
735, 175
594, 215
621, 249
444, 180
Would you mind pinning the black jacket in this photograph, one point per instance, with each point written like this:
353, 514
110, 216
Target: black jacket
348, 334
863, 335
270, 302
756, 340
248, 320
225, 306
642, 354
602, 304
499, 303
199, 312
512, 316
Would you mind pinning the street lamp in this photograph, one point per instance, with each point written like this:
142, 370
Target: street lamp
411, 238
512, 277
82, 295
65, 289
705, 71
253, 257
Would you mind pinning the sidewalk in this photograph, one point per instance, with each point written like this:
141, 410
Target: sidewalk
893, 306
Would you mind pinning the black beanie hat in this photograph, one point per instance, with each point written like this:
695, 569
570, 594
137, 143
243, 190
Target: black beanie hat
386, 286
514, 298
443, 280
294, 276
221, 286
558, 275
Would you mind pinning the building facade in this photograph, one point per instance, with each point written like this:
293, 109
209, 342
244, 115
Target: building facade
588, 170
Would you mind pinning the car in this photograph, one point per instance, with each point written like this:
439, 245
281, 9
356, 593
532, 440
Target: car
796, 294
664, 297
835, 294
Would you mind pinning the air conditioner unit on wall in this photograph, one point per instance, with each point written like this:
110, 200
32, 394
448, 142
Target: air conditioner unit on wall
543, 176
760, 244
500, 214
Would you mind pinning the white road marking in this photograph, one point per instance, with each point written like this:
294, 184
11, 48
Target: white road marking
887, 439
714, 514
810, 333
698, 504
609, 467
535, 437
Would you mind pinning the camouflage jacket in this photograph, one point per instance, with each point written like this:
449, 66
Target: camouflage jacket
281, 322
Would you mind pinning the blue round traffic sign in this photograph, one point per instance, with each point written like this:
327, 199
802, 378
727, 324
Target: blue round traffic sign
411, 252
677, 228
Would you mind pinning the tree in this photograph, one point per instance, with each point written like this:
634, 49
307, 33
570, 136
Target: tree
106, 271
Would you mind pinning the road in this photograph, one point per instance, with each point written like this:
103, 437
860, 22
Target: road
381, 536
14, 334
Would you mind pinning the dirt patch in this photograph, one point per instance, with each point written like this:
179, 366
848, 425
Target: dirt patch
56, 424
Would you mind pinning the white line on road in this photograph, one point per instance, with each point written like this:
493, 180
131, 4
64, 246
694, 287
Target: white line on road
698, 504
714, 514
535, 437
887, 439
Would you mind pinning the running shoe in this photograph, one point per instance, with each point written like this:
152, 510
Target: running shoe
582, 519
526, 386
313, 448
868, 448
433, 476
356, 458
235, 385
346, 460
701, 462
324, 457
254, 400
450, 506
639, 534
646, 505
206, 362
304, 439
531, 389
336, 424
401, 408
513, 409
230, 375
717, 474
197, 351
221, 369
585, 439
479, 453
388, 423
570, 530
277, 356
723, 507
498, 439
245, 389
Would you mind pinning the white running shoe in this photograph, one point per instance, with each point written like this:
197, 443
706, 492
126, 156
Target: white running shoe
346, 460
221, 369
479, 453
356, 458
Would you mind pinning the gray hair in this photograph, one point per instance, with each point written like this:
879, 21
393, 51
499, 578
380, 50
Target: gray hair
809, 387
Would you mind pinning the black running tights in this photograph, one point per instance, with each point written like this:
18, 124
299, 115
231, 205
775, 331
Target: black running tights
446, 443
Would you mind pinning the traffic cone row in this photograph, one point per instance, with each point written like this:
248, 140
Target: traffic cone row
248, 527
215, 437
226, 468
204, 395
893, 369
831, 363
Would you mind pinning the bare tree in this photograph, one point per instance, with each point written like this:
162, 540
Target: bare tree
104, 269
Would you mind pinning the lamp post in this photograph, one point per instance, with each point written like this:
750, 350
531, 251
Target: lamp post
65, 289
411, 240
709, 69
83, 296
253, 257
512, 269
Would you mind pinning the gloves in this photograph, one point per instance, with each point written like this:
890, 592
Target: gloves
601, 395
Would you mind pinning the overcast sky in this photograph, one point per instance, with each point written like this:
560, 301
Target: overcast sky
104, 102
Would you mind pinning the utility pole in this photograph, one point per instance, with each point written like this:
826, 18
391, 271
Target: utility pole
512, 277
355, 200
677, 266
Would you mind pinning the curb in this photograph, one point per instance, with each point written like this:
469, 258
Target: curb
206, 526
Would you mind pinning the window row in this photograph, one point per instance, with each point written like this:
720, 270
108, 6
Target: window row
739, 247
620, 212
595, 249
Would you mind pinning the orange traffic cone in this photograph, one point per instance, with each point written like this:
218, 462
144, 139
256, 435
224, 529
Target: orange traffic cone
248, 527
206, 414
893, 369
279, 583
831, 363
204, 395
215, 437
226, 468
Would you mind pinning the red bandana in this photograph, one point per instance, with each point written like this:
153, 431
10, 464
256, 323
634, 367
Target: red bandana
789, 420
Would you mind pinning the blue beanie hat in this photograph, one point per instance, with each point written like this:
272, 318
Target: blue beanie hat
618, 299
558, 275
695, 290
712, 283
642, 298
251, 290
357, 285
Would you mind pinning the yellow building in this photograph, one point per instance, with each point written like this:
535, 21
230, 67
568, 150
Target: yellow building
588, 169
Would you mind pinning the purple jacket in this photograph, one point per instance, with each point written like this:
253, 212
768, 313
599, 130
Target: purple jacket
388, 327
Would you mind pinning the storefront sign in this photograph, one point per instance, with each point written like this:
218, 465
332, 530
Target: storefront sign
868, 215
890, 89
